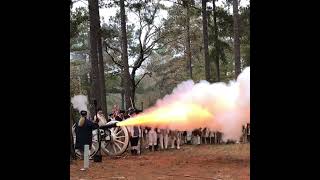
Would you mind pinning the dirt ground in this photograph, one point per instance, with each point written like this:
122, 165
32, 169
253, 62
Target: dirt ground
215, 162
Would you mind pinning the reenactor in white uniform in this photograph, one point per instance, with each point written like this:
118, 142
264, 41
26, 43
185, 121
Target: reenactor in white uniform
219, 137
197, 136
163, 138
248, 132
244, 134
206, 135
189, 137
175, 138
102, 119
212, 137
152, 134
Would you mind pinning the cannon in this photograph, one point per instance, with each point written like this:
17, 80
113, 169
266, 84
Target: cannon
114, 139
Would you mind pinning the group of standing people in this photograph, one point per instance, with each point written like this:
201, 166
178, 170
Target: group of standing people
245, 133
155, 139
143, 137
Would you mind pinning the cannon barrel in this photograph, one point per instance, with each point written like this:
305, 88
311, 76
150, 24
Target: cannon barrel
109, 125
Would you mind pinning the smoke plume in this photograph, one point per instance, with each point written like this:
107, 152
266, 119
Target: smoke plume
80, 102
218, 106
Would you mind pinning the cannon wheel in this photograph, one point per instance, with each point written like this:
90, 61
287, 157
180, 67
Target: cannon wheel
115, 142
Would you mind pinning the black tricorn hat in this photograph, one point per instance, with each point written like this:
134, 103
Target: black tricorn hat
131, 110
83, 113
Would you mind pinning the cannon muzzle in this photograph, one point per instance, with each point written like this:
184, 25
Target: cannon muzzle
109, 125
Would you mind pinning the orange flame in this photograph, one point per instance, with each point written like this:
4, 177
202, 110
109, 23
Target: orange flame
177, 116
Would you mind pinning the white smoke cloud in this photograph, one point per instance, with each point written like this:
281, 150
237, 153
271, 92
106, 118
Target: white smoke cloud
228, 103
223, 107
80, 102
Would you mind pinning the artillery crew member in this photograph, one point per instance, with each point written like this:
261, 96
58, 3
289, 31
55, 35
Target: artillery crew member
212, 137
207, 136
175, 138
163, 138
197, 136
83, 132
152, 139
135, 133
102, 119
244, 134
189, 137
219, 137
184, 137
248, 132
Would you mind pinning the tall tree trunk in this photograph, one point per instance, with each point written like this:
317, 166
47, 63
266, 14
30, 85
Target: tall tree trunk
216, 43
236, 38
133, 89
188, 46
94, 37
122, 94
127, 84
205, 39
122, 100
103, 90
90, 94
133, 75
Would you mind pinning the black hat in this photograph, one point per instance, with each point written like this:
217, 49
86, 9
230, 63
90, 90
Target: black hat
83, 113
131, 110
117, 118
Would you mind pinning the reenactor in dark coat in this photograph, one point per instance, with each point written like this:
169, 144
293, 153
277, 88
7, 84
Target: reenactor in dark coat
83, 131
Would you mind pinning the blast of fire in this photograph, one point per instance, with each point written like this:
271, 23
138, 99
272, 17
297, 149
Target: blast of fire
218, 106
174, 116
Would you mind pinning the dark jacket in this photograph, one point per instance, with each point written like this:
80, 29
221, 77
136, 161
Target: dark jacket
84, 134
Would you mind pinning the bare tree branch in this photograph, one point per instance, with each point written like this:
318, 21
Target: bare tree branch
153, 43
113, 48
144, 58
150, 26
115, 90
143, 50
168, 43
147, 73
140, 31
182, 5
149, 37
112, 58
138, 62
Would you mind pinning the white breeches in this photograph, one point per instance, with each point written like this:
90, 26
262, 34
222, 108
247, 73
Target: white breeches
152, 138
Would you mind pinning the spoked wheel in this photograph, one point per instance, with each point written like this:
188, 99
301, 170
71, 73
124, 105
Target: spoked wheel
95, 145
115, 141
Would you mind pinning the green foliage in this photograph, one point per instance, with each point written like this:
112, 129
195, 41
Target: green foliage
79, 29
78, 17
167, 60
